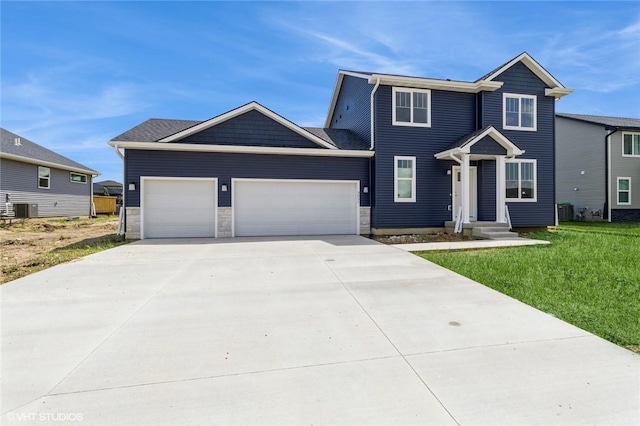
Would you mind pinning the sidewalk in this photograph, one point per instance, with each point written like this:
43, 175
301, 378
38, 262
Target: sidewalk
468, 245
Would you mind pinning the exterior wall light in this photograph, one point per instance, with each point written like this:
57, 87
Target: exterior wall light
223, 187
132, 186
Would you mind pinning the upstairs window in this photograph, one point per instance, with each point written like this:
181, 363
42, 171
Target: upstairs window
411, 107
405, 179
631, 144
44, 177
519, 112
77, 178
520, 176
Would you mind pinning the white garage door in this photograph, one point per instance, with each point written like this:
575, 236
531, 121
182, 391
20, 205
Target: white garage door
282, 207
178, 208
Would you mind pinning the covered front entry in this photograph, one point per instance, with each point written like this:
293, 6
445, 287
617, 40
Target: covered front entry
294, 207
484, 145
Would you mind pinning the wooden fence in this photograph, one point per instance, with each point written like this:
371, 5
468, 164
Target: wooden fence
104, 204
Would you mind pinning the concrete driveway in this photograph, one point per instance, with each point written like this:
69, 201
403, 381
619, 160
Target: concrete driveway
331, 330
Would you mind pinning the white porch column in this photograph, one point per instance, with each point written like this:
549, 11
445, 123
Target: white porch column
464, 177
500, 190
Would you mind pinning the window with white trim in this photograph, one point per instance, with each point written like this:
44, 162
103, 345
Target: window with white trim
520, 180
631, 144
44, 177
624, 191
404, 174
77, 178
519, 112
411, 107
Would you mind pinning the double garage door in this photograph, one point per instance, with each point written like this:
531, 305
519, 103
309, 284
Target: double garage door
174, 208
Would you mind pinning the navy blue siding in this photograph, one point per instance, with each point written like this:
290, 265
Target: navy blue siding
225, 166
253, 129
487, 146
486, 190
353, 107
452, 117
538, 145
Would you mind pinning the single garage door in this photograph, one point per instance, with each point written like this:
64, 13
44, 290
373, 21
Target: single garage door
178, 208
287, 207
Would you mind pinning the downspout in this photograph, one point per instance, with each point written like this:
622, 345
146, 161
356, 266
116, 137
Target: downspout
373, 92
607, 169
124, 192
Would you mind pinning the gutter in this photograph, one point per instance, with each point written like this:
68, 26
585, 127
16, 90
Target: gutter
373, 92
607, 172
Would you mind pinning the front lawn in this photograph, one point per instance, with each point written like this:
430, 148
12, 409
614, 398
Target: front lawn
589, 276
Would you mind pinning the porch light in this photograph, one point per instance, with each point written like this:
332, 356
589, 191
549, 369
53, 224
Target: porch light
223, 187
365, 189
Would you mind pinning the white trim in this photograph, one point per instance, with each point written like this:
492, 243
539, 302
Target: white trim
241, 149
632, 155
557, 92
48, 177
411, 122
512, 149
619, 178
144, 179
233, 197
609, 177
535, 181
429, 83
472, 191
372, 114
396, 199
79, 174
519, 96
47, 164
533, 66
500, 190
251, 106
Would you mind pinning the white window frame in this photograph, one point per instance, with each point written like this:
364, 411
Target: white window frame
395, 180
625, 190
48, 177
506, 96
633, 154
535, 182
76, 181
411, 91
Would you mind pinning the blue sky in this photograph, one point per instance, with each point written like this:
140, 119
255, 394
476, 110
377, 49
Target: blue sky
76, 74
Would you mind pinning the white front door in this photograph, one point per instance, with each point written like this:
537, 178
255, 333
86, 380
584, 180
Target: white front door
457, 192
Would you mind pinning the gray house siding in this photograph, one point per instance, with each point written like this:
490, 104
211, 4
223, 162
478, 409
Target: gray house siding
539, 145
353, 107
452, 117
63, 198
253, 129
624, 167
226, 166
580, 147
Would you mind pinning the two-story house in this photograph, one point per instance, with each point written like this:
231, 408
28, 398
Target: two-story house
397, 154
598, 162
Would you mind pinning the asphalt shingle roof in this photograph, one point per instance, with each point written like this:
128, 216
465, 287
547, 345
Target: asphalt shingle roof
155, 129
31, 150
618, 122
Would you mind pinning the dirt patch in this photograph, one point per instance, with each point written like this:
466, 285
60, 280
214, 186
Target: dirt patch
24, 242
420, 238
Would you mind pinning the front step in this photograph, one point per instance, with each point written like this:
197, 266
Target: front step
494, 232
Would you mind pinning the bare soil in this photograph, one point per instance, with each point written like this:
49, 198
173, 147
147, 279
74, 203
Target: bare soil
24, 241
420, 238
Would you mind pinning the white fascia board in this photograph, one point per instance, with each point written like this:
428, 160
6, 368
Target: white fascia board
501, 139
47, 164
427, 83
534, 66
557, 92
251, 106
241, 149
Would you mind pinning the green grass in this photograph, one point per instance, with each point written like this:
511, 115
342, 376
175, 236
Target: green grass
60, 255
589, 276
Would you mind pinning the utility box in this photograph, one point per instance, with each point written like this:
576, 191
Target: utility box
565, 212
25, 210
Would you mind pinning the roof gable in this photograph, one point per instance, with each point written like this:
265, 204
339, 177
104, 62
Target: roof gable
187, 133
466, 144
18, 148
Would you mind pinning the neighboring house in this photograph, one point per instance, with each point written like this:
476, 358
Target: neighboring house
397, 154
110, 188
598, 165
32, 174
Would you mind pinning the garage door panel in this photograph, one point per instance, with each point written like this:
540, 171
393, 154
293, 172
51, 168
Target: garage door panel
181, 208
295, 208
